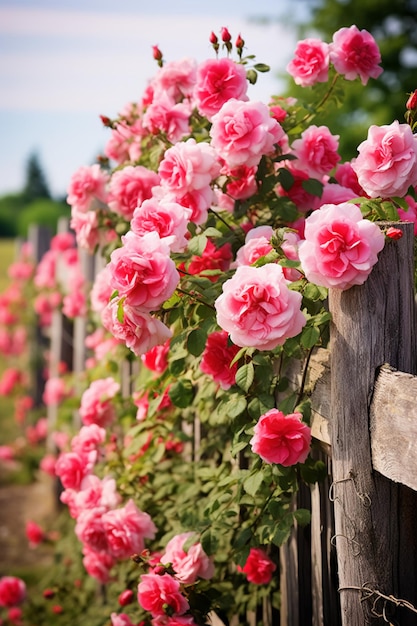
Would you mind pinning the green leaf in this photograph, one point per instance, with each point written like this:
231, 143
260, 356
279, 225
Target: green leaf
285, 178
252, 76
253, 482
120, 311
281, 534
182, 393
303, 516
313, 186
245, 376
242, 538
314, 292
209, 542
196, 341
310, 336
197, 244
262, 67
213, 232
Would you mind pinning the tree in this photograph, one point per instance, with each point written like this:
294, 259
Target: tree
36, 186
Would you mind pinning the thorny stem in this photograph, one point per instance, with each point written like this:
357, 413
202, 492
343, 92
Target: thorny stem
304, 376
195, 297
310, 116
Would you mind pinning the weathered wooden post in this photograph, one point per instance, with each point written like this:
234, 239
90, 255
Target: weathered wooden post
372, 324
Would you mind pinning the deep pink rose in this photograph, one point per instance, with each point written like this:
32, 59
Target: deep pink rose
96, 402
354, 53
87, 185
242, 132
387, 161
90, 437
143, 271
340, 247
190, 564
139, 331
257, 309
156, 592
282, 439
219, 80
90, 529
98, 564
34, 533
129, 187
411, 214
316, 151
12, 591
126, 529
168, 219
156, 359
346, 176
310, 64
175, 620
188, 166
126, 597
242, 182
258, 567
217, 357
72, 467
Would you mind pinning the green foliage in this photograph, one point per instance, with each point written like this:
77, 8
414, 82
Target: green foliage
42, 212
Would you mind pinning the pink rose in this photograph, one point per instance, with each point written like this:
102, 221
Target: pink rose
87, 185
156, 359
74, 304
34, 533
95, 493
164, 115
258, 567
303, 200
257, 244
90, 529
411, 214
316, 151
72, 467
10, 381
101, 290
98, 564
96, 402
126, 529
242, 132
217, 357
257, 309
157, 593
355, 53
168, 219
189, 564
188, 166
387, 161
176, 78
346, 176
129, 187
125, 141
86, 229
126, 597
47, 464
12, 591
310, 64
282, 439
139, 331
90, 437
142, 271
340, 247
219, 80
175, 620
242, 182
55, 391
120, 619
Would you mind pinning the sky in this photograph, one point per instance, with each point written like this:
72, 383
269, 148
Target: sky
65, 62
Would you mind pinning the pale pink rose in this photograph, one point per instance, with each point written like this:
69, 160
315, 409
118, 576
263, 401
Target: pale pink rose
97, 402
188, 166
142, 271
95, 493
98, 564
47, 464
176, 78
217, 358
282, 439
156, 359
316, 151
86, 229
90, 529
258, 568
126, 529
219, 80
87, 185
125, 141
55, 391
340, 247
46, 270
169, 219
60, 439
129, 187
190, 564
138, 331
89, 438
411, 214
74, 304
158, 592
120, 619
354, 53
387, 162
242, 182
164, 115
257, 244
242, 132
101, 290
257, 309
62, 242
175, 620
34, 533
72, 467
20, 270
310, 64
196, 202
12, 591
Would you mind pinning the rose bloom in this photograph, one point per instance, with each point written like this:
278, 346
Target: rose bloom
175, 620
340, 247
258, 567
217, 357
188, 565
120, 619
168, 219
355, 52
387, 161
12, 591
129, 187
156, 359
156, 592
310, 64
212, 258
126, 529
197, 201
242, 132
188, 166
87, 184
55, 391
411, 214
138, 331
126, 597
85, 226
143, 271
10, 380
316, 151
346, 176
219, 80
176, 78
94, 493
98, 564
89, 437
72, 467
164, 115
125, 141
242, 182
47, 464
282, 439
96, 402
257, 309
34, 533
90, 529
257, 244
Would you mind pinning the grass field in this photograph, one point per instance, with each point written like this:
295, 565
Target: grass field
7, 256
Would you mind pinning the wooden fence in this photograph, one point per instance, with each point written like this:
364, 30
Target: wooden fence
356, 563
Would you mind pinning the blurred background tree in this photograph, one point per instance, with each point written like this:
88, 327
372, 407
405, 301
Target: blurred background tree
393, 23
